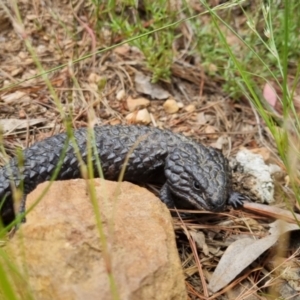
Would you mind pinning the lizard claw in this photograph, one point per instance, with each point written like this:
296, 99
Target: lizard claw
236, 200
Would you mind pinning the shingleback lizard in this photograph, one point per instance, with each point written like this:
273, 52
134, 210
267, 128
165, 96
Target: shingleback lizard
191, 175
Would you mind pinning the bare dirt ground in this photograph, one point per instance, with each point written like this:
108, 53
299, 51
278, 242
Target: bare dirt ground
100, 89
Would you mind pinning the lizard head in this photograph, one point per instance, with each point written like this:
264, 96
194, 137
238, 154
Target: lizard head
198, 177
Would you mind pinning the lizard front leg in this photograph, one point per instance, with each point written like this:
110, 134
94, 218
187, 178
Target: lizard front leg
166, 196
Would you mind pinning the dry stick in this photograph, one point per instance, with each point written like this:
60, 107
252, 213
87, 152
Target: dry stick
201, 83
275, 269
273, 212
199, 265
195, 293
233, 284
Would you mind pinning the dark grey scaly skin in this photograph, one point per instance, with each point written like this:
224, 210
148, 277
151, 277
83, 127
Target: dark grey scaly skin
192, 175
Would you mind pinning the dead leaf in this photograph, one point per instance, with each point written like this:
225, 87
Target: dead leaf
263, 151
143, 85
219, 143
201, 118
270, 94
240, 254
122, 50
10, 125
13, 97
279, 227
199, 238
211, 130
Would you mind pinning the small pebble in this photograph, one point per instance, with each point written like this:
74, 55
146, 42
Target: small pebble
120, 95
94, 78
171, 106
190, 108
133, 104
141, 117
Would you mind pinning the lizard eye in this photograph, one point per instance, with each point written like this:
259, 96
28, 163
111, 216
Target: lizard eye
197, 185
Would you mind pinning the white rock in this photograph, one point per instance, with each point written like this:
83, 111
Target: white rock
254, 165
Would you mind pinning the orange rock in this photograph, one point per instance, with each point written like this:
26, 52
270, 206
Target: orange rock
60, 254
